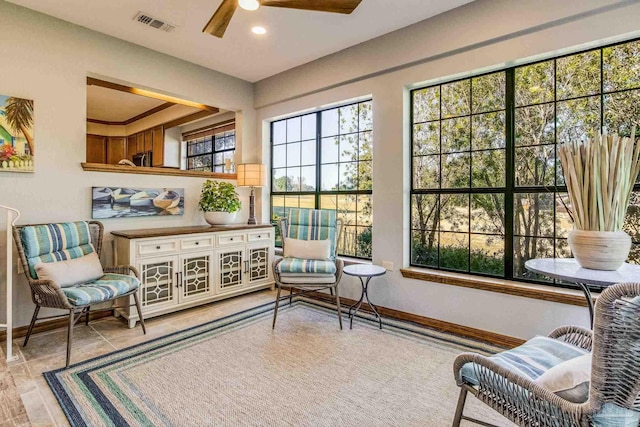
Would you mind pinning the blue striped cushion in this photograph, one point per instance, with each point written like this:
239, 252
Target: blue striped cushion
55, 242
105, 288
531, 359
312, 224
44, 239
297, 265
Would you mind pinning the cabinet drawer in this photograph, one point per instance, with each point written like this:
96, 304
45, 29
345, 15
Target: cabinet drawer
157, 247
196, 243
256, 236
231, 239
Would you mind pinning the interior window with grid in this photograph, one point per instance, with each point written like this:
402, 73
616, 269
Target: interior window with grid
487, 191
208, 153
323, 160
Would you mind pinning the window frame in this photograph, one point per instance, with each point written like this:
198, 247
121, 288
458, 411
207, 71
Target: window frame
318, 192
510, 188
213, 151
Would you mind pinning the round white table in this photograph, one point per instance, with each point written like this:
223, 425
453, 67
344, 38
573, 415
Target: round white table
362, 272
568, 269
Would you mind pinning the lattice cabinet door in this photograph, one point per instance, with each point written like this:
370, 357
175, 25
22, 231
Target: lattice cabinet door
158, 276
194, 281
230, 268
258, 263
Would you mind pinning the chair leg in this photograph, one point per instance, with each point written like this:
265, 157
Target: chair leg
70, 336
290, 295
338, 306
31, 325
275, 311
86, 316
137, 300
331, 291
461, 400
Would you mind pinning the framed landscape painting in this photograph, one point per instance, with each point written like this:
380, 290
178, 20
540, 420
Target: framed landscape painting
121, 202
16, 134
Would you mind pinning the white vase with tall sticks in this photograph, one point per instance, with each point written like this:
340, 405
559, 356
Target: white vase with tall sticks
600, 174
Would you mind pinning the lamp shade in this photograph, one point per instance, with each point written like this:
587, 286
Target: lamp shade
250, 175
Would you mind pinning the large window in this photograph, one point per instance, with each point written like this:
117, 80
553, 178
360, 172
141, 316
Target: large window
208, 149
487, 191
323, 160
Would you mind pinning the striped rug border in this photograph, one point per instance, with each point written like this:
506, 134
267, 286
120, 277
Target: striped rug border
232, 322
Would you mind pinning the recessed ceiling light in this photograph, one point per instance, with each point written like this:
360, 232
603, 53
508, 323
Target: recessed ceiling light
249, 4
259, 30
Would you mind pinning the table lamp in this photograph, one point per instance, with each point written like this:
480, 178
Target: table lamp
251, 175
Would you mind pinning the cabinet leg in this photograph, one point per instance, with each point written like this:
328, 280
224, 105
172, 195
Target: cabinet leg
132, 323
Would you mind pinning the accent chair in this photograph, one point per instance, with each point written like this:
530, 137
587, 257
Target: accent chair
509, 382
51, 243
306, 275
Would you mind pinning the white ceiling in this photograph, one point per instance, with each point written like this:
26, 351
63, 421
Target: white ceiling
294, 37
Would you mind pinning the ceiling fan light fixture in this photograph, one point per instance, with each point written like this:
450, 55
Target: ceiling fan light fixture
258, 30
249, 4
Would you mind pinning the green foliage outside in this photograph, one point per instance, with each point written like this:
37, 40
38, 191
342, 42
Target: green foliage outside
459, 137
219, 196
352, 147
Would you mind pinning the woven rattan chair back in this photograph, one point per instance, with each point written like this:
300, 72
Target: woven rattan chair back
615, 375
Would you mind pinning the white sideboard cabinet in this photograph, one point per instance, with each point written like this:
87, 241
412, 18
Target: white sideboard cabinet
181, 267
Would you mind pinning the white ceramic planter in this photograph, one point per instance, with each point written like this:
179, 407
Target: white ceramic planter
220, 218
600, 250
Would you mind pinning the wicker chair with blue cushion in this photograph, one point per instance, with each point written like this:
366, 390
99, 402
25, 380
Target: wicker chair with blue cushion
509, 382
51, 243
309, 274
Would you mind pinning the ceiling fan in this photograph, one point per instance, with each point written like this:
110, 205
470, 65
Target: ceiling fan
218, 23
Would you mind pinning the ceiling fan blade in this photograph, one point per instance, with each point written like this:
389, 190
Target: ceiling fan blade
219, 22
334, 6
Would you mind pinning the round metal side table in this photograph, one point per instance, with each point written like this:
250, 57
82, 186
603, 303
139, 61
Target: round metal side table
568, 269
364, 272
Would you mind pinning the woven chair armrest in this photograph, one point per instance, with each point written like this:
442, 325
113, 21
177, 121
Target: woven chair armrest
339, 268
517, 397
495, 380
274, 265
48, 293
122, 269
575, 335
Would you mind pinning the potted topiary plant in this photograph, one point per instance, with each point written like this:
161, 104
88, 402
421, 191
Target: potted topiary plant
219, 202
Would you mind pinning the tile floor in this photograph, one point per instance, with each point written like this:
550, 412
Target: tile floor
46, 351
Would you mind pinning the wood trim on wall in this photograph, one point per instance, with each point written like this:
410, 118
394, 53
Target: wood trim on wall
50, 325
210, 128
141, 170
188, 118
501, 286
440, 325
134, 118
149, 94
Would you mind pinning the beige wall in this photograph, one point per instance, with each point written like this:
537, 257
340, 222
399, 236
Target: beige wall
483, 35
48, 60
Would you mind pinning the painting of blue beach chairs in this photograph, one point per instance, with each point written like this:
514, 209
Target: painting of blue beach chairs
121, 202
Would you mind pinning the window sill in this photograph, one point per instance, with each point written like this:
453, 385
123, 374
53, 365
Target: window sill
525, 290
347, 260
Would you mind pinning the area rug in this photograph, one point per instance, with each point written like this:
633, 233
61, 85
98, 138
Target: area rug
237, 371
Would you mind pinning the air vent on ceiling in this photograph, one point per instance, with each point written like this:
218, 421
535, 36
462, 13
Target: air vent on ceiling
146, 19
